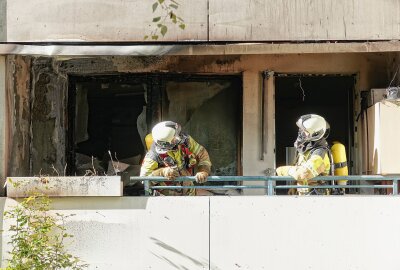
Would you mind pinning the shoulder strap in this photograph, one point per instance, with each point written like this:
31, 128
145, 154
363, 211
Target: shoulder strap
185, 139
320, 151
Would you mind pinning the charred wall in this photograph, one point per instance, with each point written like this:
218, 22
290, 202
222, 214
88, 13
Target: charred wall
49, 88
19, 112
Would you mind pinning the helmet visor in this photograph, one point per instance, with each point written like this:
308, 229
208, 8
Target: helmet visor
168, 145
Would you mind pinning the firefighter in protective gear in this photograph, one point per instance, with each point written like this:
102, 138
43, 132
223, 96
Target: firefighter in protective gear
312, 154
172, 154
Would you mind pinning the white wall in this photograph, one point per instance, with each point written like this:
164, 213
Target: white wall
214, 20
98, 20
254, 232
304, 20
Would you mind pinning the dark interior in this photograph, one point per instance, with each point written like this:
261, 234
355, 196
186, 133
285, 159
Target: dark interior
113, 114
112, 120
330, 96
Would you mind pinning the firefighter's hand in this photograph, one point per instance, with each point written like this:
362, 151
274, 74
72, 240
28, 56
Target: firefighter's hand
201, 177
170, 173
283, 170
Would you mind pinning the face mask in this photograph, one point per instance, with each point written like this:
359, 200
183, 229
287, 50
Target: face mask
301, 139
166, 146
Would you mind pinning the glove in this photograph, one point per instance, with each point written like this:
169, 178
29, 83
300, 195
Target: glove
201, 177
283, 170
170, 173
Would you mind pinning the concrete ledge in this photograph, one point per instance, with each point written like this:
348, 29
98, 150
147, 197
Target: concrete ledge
205, 49
65, 186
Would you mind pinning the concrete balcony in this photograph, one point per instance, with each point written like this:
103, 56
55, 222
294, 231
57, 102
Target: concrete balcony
250, 232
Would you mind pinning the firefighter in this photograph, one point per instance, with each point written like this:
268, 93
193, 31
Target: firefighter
313, 155
172, 154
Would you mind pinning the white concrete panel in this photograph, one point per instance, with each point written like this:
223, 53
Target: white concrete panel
98, 20
135, 233
255, 20
18, 187
305, 233
249, 232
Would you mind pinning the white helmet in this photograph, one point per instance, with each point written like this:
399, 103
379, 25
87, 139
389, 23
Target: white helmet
312, 127
166, 135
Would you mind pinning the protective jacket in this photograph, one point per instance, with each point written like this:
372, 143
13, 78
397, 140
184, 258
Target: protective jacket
312, 160
187, 155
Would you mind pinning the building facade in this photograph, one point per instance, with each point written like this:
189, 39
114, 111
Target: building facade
78, 79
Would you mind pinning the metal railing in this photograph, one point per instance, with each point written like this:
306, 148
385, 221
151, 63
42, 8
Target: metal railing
270, 183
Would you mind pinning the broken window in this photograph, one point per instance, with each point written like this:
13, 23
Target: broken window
109, 125
111, 115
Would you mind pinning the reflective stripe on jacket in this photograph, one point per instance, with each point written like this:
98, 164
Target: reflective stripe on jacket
182, 159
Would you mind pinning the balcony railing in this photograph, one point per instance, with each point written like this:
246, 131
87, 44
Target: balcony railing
270, 183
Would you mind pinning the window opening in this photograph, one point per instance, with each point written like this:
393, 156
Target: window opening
113, 114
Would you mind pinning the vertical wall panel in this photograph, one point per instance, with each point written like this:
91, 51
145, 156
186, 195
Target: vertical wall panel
304, 233
145, 233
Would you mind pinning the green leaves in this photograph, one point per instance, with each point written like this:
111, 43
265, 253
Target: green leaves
155, 5
163, 30
166, 12
173, 17
38, 237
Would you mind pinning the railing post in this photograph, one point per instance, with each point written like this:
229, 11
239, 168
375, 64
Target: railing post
395, 186
146, 187
270, 191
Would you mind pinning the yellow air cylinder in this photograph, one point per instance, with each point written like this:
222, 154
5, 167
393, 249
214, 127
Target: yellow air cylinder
148, 140
339, 158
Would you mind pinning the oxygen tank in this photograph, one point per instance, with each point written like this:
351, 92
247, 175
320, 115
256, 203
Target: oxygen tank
148, 140
340, 161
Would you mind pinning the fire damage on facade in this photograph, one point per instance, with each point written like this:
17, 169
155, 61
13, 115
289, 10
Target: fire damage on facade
81, 115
